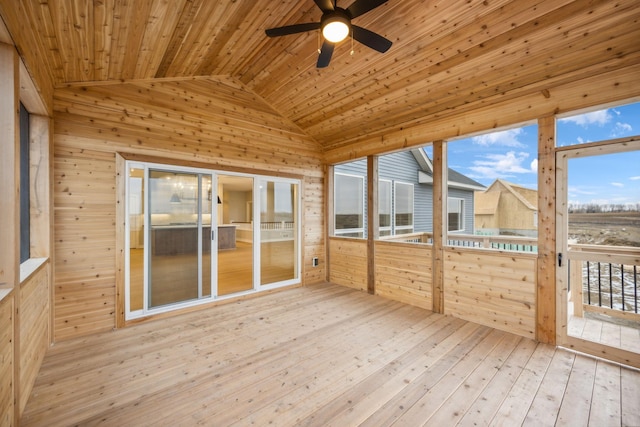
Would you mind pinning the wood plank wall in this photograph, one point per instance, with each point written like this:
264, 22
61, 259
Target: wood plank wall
6, 362
348, 262
404, 272
314, 230
209, 121
25, 317
84, 205
491, 288
34, 329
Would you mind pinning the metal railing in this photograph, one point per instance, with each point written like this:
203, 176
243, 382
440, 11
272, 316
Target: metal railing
604, 279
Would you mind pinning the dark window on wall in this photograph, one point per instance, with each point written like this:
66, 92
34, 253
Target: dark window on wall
25, 235
455, 211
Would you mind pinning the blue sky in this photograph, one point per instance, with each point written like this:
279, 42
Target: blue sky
512, 155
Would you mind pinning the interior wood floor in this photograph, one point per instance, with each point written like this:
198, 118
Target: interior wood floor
324, 355
235, 272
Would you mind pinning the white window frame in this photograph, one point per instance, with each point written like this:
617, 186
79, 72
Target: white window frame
462, 208
405, 228
340, 232
389, 228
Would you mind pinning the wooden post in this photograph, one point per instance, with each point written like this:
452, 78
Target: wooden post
121, 215
440, 179
546, 269
373, 221
575, 279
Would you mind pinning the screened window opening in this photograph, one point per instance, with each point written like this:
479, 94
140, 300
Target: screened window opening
349, 205
25, 186
384, 207
404, 208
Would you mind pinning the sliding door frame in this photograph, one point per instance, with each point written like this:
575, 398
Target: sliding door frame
123, 299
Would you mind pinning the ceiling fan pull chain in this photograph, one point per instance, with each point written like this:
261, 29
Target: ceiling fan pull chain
352, 43
319, 48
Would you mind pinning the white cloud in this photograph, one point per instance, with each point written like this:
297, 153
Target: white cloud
534, 165
617, 184
599, 118
621, 129
505, 138
585, 191
500, 165
634, 178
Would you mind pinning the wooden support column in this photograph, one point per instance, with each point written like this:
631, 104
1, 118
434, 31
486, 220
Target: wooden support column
10, 197
440, 179
546, 271
373, 221
121, 192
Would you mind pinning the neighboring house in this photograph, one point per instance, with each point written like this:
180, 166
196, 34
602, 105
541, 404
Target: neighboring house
507, 209
405, 202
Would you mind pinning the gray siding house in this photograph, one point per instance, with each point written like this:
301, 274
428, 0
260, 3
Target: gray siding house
405, 199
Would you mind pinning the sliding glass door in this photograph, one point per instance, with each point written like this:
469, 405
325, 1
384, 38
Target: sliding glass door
179, 237
278, 231
236, 251
196, 235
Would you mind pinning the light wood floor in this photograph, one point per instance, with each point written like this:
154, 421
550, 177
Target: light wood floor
615, 333
324, 355
176, 276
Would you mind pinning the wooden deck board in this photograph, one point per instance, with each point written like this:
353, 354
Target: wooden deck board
323, 355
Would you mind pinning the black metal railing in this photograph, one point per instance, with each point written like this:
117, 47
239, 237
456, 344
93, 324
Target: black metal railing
611, 285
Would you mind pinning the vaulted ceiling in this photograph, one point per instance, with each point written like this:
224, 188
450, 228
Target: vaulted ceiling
448, 56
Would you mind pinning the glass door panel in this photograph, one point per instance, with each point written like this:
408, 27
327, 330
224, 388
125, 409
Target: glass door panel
235, 234
604, 249
174, 238
278, 232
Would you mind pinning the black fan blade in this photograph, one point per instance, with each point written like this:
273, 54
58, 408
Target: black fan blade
371, 39
360, 7
292, 29
325, 54
325, 5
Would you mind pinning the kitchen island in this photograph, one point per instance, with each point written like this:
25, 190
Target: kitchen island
179, 239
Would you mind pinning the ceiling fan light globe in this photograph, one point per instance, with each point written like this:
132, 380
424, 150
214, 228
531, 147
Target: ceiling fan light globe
336, 29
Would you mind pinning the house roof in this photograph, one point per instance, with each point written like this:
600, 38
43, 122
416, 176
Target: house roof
526, 196
486, 203
455, 178
448, 59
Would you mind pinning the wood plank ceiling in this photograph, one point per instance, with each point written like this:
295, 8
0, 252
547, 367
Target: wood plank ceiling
448, 56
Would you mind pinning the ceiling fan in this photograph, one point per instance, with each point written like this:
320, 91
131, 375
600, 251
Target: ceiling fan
336, 26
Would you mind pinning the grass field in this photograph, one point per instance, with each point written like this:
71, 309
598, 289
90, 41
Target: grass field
615, 229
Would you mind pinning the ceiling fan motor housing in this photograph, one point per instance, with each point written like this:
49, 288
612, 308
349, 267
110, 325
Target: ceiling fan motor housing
338, 15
